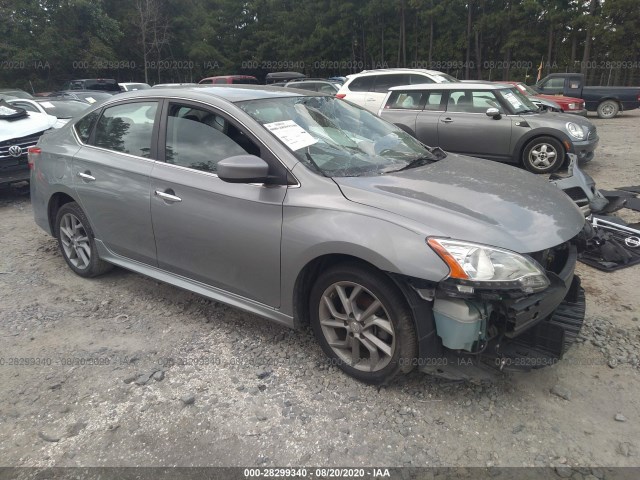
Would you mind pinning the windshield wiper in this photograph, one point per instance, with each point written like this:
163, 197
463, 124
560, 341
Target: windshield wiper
416, 162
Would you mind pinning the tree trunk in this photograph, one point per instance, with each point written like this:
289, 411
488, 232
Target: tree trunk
549, 47
468, 55
587, 41
430, 35
478, 58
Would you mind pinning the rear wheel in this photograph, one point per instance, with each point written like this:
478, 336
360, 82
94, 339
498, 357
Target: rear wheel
608, 109
543, 155
363, 323
77, 243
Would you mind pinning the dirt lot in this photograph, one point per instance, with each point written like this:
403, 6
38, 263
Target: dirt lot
132, 372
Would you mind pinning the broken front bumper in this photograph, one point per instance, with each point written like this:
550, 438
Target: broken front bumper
533, 331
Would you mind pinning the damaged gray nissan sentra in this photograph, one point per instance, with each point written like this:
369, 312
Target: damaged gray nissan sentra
306, 209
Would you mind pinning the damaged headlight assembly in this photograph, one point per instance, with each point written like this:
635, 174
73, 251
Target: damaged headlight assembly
475, 265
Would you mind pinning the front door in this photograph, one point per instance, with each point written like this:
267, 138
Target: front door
226, 235
465, 127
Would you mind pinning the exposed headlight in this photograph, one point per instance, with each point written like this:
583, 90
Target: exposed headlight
572, 106
575, 131
489, 267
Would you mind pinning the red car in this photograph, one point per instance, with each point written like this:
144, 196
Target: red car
230, 79
568, 104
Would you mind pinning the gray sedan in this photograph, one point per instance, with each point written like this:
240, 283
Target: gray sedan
305, 209
490, 121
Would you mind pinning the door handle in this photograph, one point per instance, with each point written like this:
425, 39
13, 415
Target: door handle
87, 176
168, 196
446, 120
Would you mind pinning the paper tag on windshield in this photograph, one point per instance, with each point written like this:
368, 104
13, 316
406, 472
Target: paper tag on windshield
47, 104
293, 135
511, 98
91, 100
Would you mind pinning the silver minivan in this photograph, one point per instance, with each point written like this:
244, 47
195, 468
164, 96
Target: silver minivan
307, 210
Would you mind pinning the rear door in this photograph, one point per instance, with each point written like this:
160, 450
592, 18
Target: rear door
358, 90
383, 82
111, 177
465, 127
225, 235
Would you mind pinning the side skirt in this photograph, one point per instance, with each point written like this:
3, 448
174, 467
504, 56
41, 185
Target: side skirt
197, 287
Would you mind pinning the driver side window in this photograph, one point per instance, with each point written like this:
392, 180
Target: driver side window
199, 139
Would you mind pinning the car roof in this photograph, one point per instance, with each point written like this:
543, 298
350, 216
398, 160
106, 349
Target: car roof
451, 86
231, 93
229, 76
395, 70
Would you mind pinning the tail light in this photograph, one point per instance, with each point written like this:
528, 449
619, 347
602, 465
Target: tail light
32, 152
341, 95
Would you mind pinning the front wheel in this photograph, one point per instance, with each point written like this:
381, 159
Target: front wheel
543, 155
77, 243
608, 109
363, 323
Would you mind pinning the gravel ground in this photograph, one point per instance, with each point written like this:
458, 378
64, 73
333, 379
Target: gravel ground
127, 371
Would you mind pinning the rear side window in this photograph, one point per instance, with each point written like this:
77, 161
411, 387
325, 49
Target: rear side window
385, 82
417, 79
220, 80
206, 81
415, 100
362, 84
84, 126
127, 128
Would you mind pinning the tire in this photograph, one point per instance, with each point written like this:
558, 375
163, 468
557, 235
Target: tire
608, 109
77, 243
543, 155
347, 338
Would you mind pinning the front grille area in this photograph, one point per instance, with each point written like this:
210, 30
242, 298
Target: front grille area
592, 134
23, 142
552, 259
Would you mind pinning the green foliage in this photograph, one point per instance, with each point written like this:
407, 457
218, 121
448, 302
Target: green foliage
46, 42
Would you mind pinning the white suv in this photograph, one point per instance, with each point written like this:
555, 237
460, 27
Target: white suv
369, 87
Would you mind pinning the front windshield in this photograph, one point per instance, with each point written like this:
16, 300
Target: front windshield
338, 138
518, 101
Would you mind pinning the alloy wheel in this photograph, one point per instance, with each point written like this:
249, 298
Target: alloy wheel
357, 326
75, 241
543, 156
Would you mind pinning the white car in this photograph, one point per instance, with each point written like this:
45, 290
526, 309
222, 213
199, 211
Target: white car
369, 87
61, 110
19, 130
130, 86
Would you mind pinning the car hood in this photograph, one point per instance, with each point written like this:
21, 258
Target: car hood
475, 200
22, 127
555, 120
559, 98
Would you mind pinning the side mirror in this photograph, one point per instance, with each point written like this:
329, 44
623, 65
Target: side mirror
243, 169
494, 113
